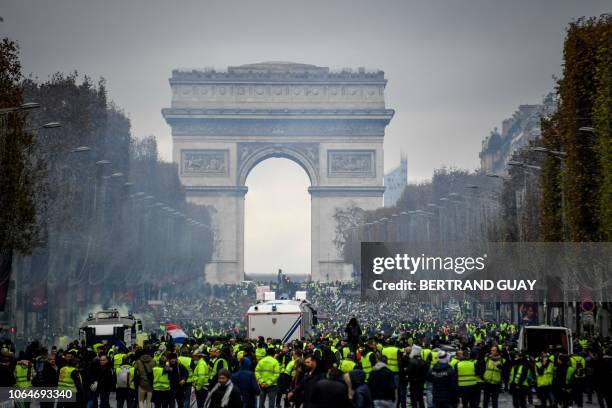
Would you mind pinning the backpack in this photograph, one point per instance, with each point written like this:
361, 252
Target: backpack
579, 370
123, 377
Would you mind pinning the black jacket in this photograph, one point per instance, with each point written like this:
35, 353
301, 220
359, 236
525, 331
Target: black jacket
382, 385
104, 375
362, 397
416, 371
330, 393
353, 333
176, 373
443, 381
49, 375
7, 377
306, 387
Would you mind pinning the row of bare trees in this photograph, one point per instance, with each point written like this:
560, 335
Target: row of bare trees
104, 222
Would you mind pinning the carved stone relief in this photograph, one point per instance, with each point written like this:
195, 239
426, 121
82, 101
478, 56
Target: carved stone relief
351, 163
205, 162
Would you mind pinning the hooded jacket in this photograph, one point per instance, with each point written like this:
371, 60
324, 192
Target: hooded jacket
143, 373
247, 383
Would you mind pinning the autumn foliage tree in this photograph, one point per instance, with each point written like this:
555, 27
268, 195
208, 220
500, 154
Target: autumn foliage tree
18, 221
577, 192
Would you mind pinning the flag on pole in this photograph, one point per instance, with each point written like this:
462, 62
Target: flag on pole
177, 334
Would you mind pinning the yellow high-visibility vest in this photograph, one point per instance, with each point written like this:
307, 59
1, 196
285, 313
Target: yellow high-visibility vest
161, 382
493, 370
201, 374
65, 381
391, 353
466, 373
21, 376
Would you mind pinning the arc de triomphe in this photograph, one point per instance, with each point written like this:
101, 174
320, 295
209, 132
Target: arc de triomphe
331, 123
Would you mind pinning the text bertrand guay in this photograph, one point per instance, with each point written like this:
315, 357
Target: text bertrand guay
456, 285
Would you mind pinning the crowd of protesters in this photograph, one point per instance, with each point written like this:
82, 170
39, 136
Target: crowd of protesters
392, 354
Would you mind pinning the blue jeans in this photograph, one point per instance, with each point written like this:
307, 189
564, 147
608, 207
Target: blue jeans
383, 404
186, 395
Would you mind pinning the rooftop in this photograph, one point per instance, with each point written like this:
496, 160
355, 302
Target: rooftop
277, 71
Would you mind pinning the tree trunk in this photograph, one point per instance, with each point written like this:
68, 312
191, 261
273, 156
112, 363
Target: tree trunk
6, 266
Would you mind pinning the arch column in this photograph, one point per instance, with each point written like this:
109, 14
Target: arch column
327, 263
226, 205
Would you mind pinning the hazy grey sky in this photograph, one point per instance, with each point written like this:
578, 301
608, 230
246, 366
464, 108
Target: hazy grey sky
456, 68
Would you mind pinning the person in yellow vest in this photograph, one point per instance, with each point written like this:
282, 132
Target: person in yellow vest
123, 379
393, 355
260, 351
344, 348
162, 395
118, 360
348, 363
578, 365
185, 361
563, 381
218, 361
132, 391
201, 377
492, 377
520, 380
544, 371
125, 390
479, 336
284, 381
98, 347
23, 374
368, 359
267, 373
292, 365
455, 359
467, 383
426, 354
70, 379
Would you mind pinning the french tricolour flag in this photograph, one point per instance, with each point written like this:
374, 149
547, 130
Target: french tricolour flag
178, 335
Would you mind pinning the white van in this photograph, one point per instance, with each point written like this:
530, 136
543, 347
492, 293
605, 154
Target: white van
535, 339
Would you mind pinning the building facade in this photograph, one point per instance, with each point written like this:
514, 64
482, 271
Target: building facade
516, 132
395, 182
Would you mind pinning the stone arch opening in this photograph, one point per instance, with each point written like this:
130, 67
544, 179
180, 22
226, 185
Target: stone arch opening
277, 216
